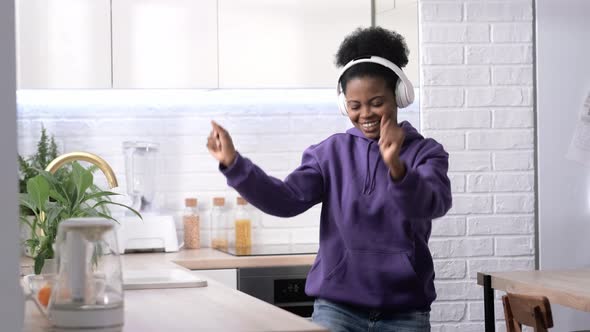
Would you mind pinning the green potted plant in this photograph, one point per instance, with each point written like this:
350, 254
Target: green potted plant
52, 199
29, 167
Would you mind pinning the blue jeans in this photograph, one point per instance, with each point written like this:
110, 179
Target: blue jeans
343, 318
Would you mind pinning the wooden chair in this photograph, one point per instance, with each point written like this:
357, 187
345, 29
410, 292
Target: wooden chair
529, 310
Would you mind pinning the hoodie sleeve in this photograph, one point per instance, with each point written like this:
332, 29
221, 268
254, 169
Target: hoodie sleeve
425, 191
302, 189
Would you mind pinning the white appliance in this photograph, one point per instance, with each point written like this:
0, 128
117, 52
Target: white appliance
157, 231
563, 185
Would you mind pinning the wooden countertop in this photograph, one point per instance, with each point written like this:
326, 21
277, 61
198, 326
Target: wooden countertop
211, 308
203, 259
206, 258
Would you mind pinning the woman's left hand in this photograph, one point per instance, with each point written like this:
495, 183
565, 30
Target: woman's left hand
390, 145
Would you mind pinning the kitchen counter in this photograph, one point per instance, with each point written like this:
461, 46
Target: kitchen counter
205, 259
212, 308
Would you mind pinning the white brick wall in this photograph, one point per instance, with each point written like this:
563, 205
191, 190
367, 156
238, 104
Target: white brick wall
443, 11
511, 32
438, 32
477, 95
512, 75
499, 54
451, 55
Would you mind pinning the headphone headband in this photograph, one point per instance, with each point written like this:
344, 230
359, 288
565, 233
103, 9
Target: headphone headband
404, 91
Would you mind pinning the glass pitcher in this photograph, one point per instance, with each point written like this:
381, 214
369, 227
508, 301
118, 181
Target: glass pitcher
88, 289
140, 173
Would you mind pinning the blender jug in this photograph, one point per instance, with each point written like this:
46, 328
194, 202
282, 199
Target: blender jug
140, 172
155, 231
88, 289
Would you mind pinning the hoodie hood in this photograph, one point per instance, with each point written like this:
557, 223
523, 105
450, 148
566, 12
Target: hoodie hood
411, 134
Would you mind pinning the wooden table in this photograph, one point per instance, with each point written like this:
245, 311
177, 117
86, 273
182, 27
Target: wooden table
570, 288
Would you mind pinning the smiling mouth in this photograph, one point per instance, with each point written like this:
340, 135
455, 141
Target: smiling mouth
370, 125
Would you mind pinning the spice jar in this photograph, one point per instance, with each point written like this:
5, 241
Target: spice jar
191, 222
242, 225
219, 224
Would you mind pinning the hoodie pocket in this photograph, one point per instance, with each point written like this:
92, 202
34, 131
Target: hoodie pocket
374, 271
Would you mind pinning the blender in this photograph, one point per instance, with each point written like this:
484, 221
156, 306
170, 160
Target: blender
156, 231
140, 173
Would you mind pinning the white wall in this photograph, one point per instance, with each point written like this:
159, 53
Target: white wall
477, 100
563, 184
11, 305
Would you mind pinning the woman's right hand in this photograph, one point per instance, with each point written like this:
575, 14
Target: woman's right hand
220, 145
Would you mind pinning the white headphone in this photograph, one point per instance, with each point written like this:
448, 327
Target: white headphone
404, 90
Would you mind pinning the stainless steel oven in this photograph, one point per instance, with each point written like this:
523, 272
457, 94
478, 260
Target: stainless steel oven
282, 286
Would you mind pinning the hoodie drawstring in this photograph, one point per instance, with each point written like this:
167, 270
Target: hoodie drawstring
367, 185
370, 181
374, 181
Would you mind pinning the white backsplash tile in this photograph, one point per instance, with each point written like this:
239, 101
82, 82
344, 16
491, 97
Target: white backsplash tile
271, 127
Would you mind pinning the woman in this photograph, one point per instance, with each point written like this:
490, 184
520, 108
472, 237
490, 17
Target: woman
380, 184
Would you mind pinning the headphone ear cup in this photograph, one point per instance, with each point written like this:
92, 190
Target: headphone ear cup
342, 104
401, 94
404, 94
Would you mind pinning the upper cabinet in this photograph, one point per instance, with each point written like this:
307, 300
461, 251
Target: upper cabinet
183, 43
165, 44
284, 44
63, 44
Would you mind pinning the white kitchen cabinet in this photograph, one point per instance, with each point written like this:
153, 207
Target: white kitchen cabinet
228, 277
284, 44
63, 44
164, 44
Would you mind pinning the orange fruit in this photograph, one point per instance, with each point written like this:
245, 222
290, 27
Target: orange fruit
44, 294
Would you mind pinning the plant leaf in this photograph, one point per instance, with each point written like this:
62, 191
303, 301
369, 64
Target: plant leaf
82, 178
38, 190
26, 221
32, 243
106, 216
39, 262
92, 168
72, 192
99, 194
26, 201
49, 177
119, 204
88, 211
58, 197
52, 215
53, 149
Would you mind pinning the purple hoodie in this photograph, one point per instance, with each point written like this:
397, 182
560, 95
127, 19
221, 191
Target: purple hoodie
373, 231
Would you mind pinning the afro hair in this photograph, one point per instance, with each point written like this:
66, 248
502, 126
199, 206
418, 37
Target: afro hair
373, 41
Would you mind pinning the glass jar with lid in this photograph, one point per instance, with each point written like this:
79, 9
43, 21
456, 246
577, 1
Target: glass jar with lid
219, 224
242, 226
192, 224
